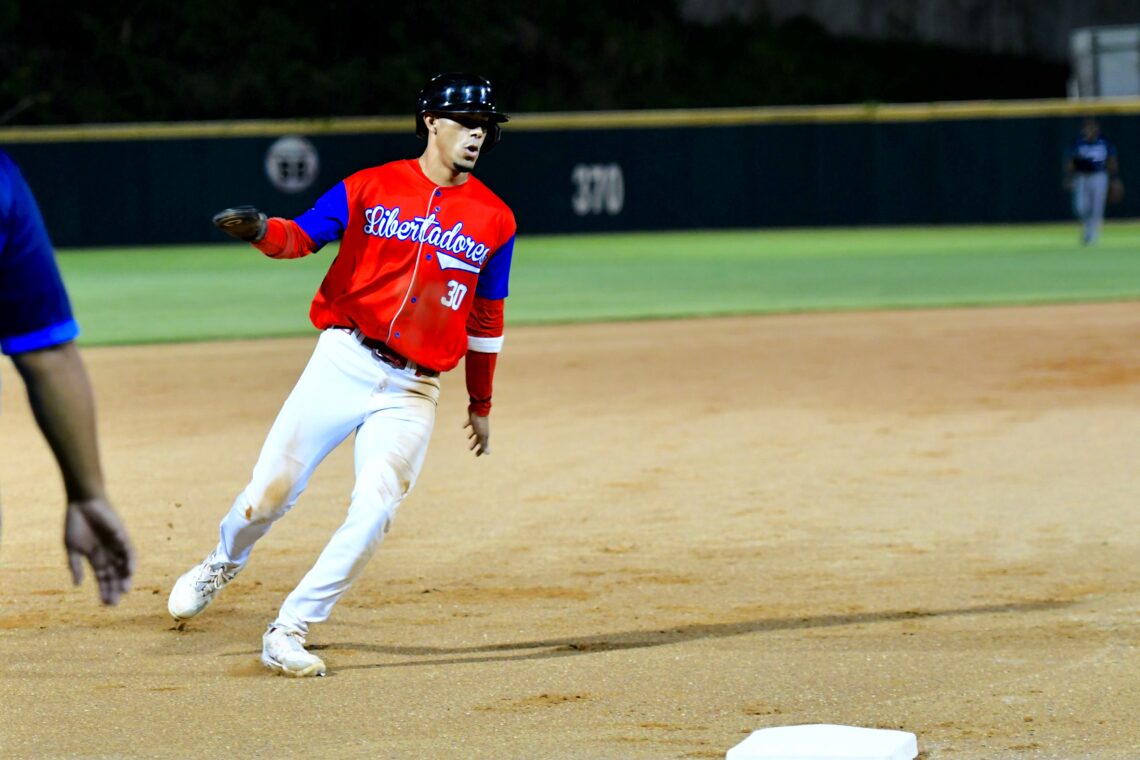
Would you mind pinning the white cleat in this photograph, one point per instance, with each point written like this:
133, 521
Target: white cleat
194, 591
284, 650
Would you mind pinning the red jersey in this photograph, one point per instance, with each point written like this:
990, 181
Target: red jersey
413, 255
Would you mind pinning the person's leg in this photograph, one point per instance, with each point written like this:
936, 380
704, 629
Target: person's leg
328, 402
389, 454
1098, 196
1081, 203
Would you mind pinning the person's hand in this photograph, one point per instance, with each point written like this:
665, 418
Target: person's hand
1115, 190
93, 531
479, 433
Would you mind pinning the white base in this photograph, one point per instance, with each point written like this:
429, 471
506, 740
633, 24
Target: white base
825, 742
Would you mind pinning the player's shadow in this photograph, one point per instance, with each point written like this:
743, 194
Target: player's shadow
609, 642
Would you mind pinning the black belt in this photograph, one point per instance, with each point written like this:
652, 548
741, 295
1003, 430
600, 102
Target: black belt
389, 355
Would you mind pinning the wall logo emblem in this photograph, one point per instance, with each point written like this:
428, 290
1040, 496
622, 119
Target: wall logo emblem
291, 164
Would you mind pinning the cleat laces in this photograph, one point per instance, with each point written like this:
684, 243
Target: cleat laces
214, 578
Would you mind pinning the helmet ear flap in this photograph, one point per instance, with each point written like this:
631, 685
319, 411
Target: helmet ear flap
494, 134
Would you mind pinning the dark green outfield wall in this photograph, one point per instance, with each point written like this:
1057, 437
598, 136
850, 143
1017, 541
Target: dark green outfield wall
151, 191
157, 189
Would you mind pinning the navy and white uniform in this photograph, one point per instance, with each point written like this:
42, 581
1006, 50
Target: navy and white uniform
35, 312
1090, 160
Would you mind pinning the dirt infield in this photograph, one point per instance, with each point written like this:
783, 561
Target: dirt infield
687, 531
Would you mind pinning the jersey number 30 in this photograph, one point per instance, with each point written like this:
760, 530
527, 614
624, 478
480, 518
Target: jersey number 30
454, 295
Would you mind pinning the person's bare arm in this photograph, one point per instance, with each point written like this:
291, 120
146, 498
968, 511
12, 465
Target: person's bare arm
63, 404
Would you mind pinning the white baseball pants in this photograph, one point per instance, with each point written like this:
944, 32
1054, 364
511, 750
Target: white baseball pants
1090, 192
344, 389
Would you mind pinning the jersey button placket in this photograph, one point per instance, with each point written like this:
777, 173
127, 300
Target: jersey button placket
427, 257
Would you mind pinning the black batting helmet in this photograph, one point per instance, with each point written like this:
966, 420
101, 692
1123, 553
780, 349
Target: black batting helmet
460, 93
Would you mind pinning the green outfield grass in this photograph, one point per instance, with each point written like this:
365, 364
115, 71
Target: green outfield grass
230, 291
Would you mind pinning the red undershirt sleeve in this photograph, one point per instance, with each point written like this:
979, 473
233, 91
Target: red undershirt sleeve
284, 239
484, 341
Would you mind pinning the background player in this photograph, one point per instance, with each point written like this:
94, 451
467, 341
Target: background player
418, 282
37, 330
1090, 168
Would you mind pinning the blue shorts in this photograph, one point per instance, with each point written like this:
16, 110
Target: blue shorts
35, 311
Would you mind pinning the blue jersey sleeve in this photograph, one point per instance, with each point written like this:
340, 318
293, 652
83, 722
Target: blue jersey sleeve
493, 279
328, 218
35, 311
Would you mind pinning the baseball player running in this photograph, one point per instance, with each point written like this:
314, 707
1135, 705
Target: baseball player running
1091, 168
418, 284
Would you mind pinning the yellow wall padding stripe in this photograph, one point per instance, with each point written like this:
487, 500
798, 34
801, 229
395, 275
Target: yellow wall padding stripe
705, 117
